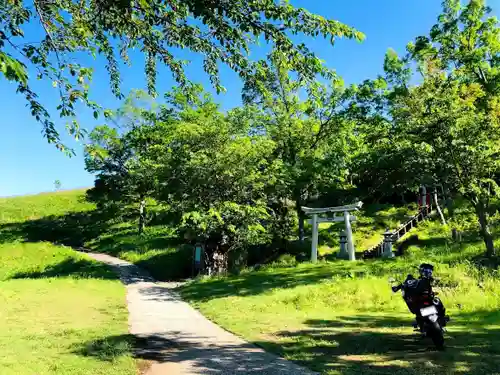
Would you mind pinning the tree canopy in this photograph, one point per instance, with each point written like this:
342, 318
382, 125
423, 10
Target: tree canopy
220, 31
443, 130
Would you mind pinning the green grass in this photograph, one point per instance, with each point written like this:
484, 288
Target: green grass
341, 318
60, 312
25, 208
66, 218
334, 317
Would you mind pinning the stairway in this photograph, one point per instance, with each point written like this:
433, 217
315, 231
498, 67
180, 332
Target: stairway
377, 250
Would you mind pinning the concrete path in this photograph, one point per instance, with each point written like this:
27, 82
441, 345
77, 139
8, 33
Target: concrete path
181, 341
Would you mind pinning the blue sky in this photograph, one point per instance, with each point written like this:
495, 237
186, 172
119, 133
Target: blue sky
29, 165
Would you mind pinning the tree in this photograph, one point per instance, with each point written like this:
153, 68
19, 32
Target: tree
215, 176
221, 31
306, 122
384, 165
445, 129
57, 184
126, 164
459, 101
443, 120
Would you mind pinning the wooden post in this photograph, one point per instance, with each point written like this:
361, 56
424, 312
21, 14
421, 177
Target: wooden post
314, 246
456, 235
142, 215
350, 242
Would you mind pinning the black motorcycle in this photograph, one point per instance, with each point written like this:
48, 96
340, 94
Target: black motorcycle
422, 301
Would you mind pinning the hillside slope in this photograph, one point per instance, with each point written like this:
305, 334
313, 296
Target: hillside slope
60, 312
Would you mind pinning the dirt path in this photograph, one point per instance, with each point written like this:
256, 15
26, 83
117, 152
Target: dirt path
181, 341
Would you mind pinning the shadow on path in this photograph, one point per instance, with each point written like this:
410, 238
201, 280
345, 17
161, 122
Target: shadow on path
188, 356
347, 346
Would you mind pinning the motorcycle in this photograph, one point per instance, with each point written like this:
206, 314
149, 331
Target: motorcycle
431, 318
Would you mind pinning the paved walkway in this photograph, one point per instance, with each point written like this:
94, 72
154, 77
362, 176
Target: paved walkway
181, 341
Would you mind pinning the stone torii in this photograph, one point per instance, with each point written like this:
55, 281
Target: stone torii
346, 218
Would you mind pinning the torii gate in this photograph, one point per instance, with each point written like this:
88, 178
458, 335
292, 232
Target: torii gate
346, 218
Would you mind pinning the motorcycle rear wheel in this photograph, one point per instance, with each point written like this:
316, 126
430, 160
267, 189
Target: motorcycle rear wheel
436, 334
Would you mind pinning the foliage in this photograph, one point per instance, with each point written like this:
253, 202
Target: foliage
221, 31
57, 184
216, 176
312, 136
452, 116
213, 176
442, 131
232, 180
441, 117
125, 163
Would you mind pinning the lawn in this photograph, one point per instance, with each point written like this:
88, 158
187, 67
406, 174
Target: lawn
156, 250
341, 318
60, 312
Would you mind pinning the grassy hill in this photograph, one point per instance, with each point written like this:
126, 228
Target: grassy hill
66, 218
335, 317
60, 312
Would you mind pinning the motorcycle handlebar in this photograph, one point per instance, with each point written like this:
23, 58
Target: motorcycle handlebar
396, 288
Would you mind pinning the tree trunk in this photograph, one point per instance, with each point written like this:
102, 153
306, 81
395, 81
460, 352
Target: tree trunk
438, 208
142, 215
300, 214
482, 217
450, 208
